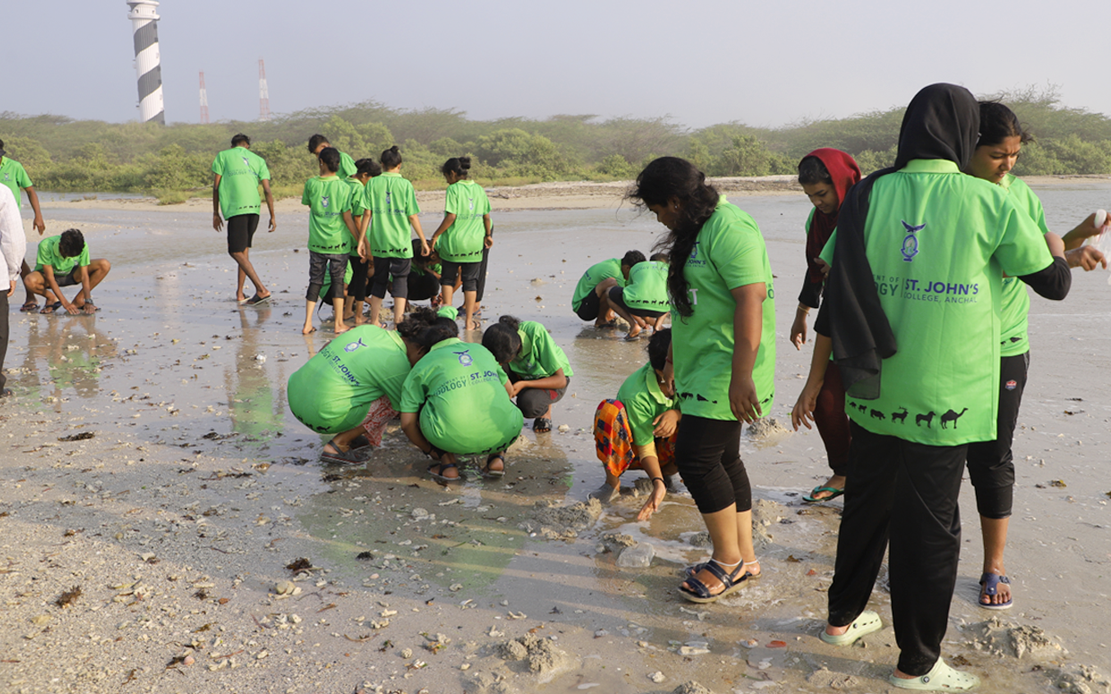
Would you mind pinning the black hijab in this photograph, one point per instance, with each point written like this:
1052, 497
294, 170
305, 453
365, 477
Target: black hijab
941, 122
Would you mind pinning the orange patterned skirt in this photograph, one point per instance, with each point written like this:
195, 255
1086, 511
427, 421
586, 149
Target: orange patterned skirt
377, 418
613, 440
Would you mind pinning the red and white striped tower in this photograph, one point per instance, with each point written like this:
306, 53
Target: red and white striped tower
204, 101
148, 62
263, 93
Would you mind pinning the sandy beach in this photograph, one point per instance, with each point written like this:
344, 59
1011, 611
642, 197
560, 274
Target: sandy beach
166, 526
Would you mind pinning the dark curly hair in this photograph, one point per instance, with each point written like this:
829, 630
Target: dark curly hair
671, 177
502, 339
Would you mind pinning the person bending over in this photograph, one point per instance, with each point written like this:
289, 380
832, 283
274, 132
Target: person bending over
63, 261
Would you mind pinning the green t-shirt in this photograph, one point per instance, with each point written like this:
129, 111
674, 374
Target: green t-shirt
14, 176
594, 276
332, 391
728, 253
240, 172
48, 254
938, 242
347, 167
540, 356
643, 401
459, 390
328, 198
357, 208
1014, 303
462, 242
647, 287
391, 201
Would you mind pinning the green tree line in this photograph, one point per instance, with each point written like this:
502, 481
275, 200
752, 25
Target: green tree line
173, 162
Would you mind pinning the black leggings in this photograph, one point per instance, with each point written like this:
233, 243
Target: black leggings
991, 466
708, 453
359, 270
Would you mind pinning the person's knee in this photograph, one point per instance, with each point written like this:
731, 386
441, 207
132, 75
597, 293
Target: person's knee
33, 281
102, 265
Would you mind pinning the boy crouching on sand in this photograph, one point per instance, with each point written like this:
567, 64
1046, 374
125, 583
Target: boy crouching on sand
332, 234
63, 261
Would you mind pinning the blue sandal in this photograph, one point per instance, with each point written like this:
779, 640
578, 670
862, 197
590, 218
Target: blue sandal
990, 581
731, 582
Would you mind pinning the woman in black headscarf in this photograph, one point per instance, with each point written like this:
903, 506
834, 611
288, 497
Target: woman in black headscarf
911, 319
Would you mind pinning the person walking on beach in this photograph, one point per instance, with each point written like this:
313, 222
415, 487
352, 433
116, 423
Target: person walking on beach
938, 239
826, 175
347, 167
237, 173
13, 246
591, 298
990, 463
722, 357
330, 221
465, 233
392, 203
536, 365
15, 178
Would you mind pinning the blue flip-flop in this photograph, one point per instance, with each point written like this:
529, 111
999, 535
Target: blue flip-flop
990, 581
437, 471
834, 493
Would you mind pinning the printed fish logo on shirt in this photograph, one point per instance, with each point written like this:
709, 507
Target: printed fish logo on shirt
464, 358
324, 201
246, 163
471, 200
910, 241
354, 345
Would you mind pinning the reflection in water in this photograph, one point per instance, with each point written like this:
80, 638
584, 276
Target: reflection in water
256, 410
73, 350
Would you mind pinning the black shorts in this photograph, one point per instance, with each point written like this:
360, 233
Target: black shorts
241, 231
617, 298
69, 279
469, 271
588, 309
384, 269
326, 264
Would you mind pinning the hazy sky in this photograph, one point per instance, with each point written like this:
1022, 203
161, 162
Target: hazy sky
763, 63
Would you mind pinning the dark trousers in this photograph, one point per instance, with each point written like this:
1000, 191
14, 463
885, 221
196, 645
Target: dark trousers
534, 402
359, 270
321, 264
481, 289
922, 482
833, 423
707, 452
3, 336
991, 466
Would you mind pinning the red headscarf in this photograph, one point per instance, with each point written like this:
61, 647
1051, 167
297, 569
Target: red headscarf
845, 173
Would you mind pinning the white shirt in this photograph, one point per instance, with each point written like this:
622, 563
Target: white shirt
13, 242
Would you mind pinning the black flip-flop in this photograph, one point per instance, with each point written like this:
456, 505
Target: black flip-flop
438, 469
51, 309
541, 425
256, 300
339, 456
29, 306
487, 472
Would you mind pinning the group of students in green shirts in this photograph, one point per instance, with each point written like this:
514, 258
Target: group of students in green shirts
369, 223
454, 399
632, 288
931, 368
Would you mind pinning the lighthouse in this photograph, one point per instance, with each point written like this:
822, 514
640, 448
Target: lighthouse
148, 63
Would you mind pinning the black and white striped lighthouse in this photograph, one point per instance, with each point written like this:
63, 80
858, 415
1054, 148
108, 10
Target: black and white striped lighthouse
148, 63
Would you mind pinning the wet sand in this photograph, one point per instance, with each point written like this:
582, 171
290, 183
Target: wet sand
178, 517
